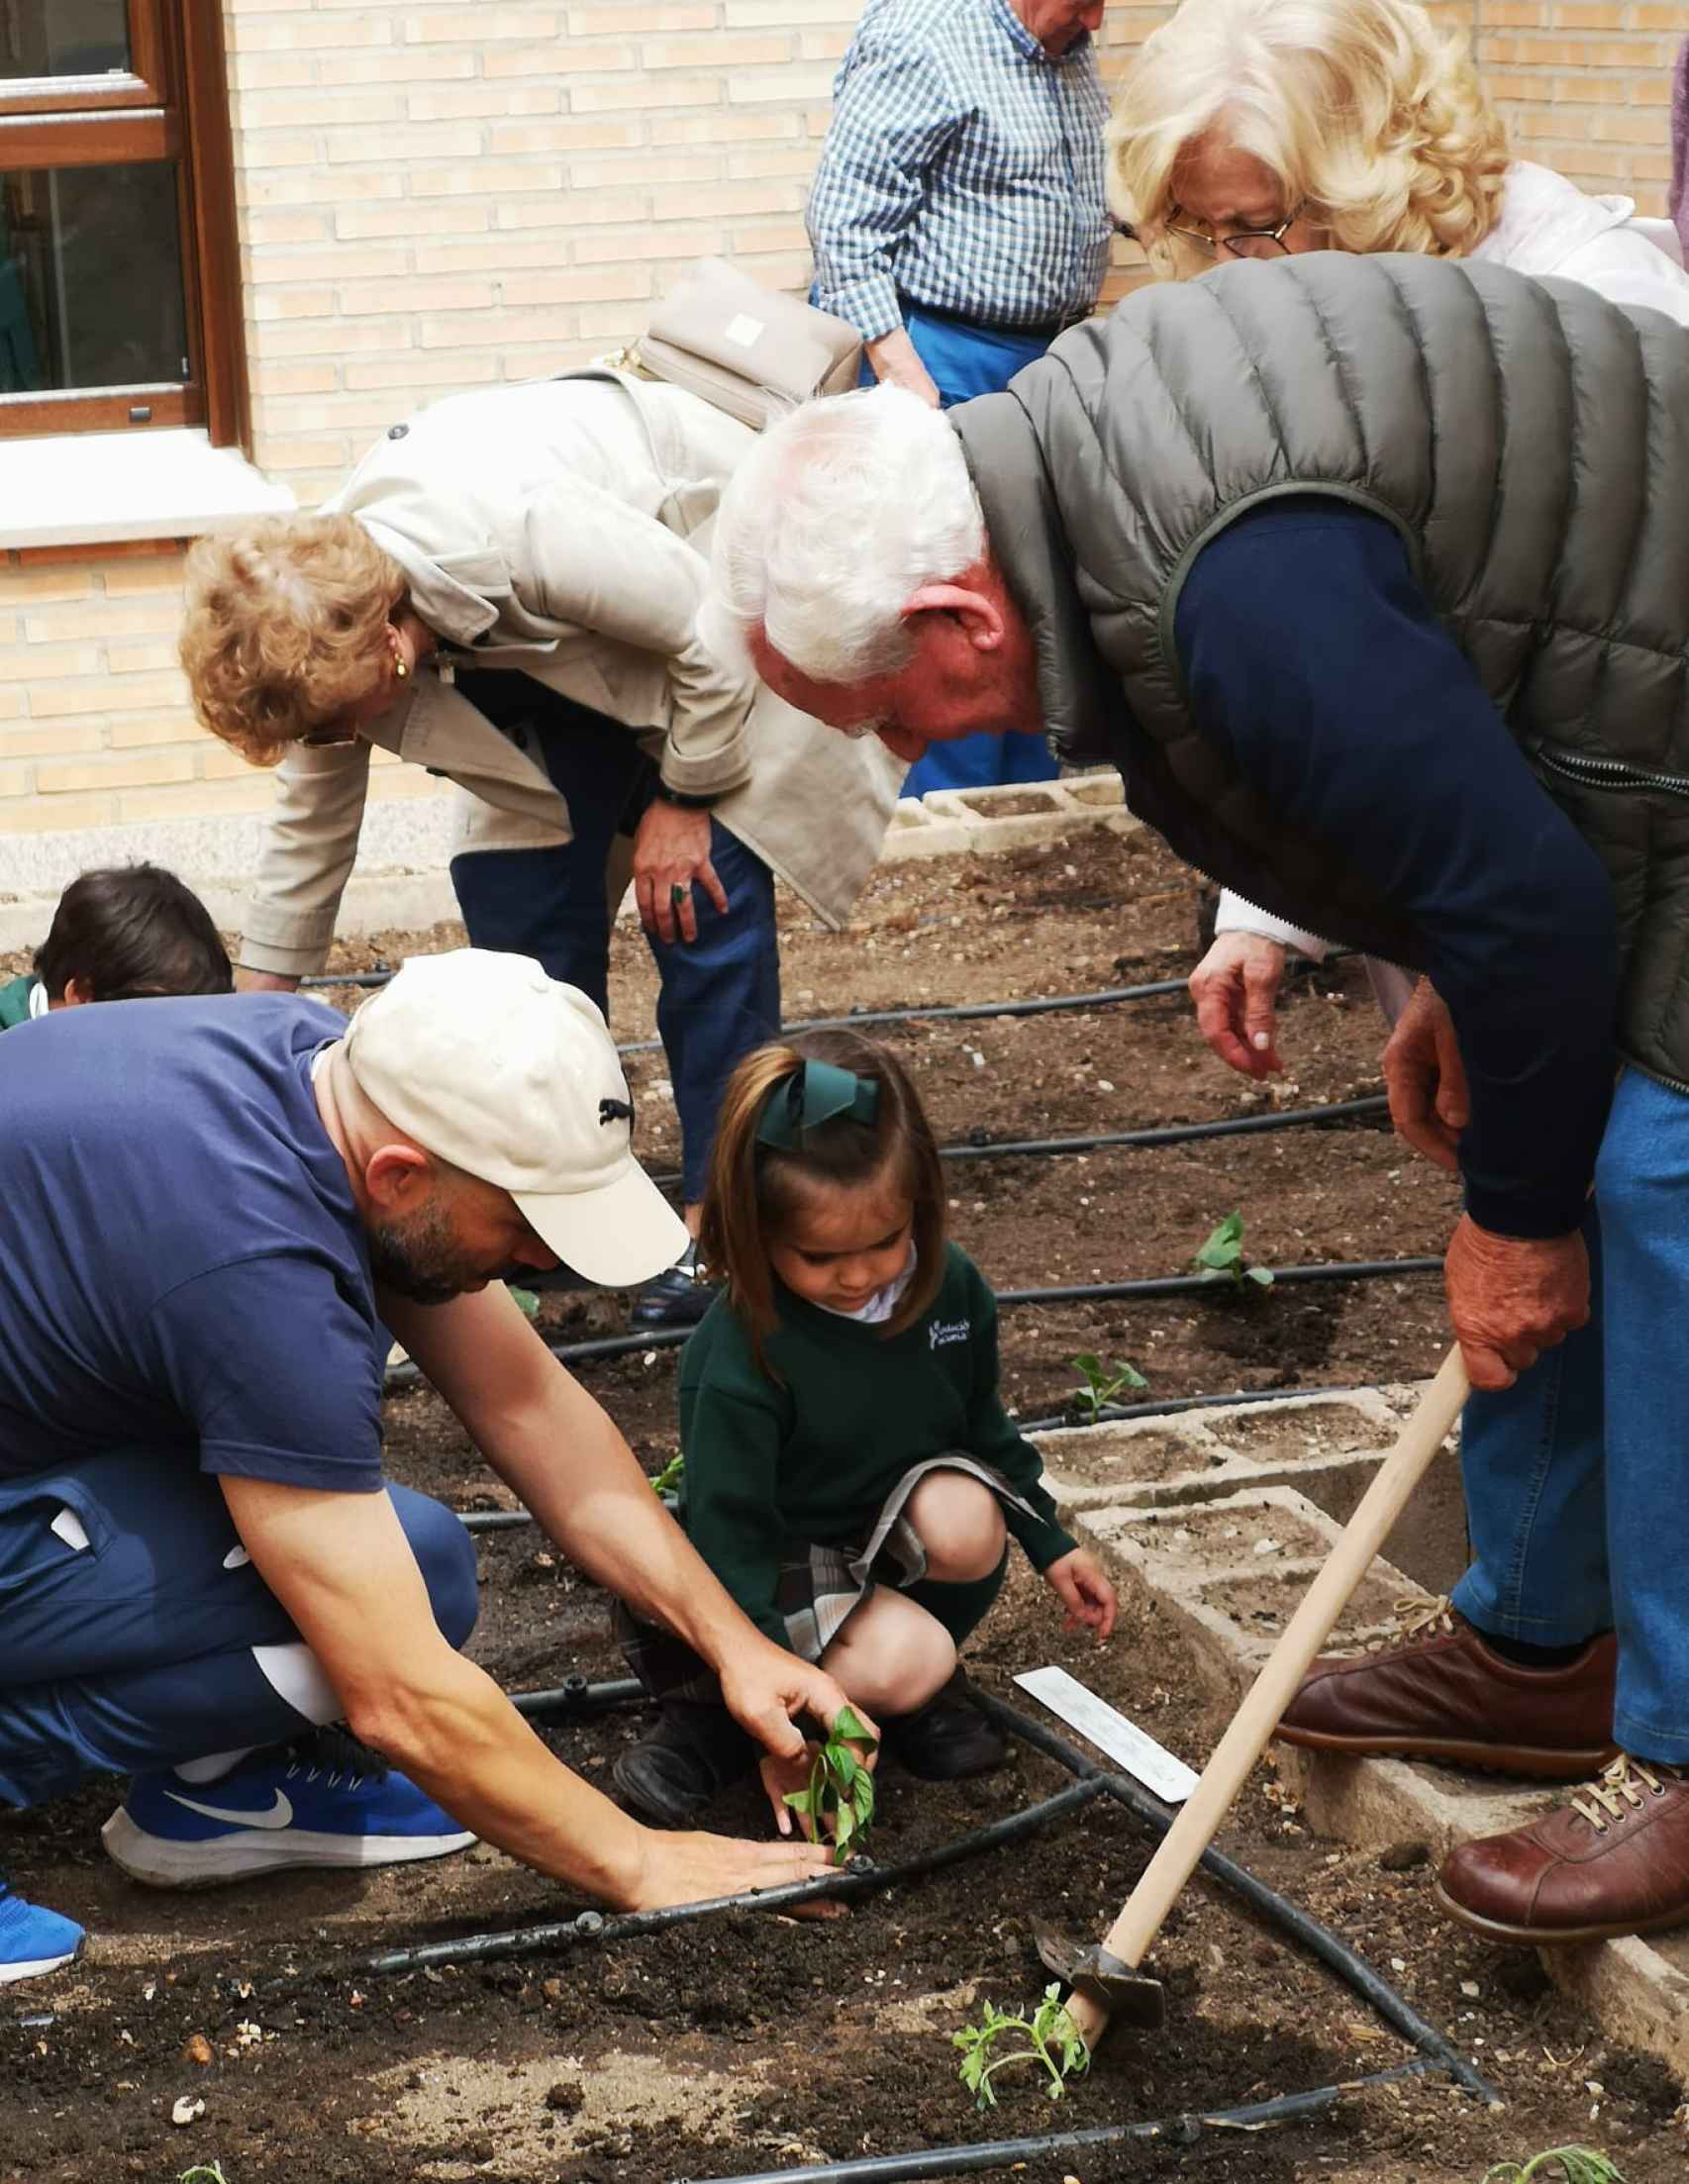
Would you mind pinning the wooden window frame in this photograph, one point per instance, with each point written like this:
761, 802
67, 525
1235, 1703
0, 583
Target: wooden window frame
171, 104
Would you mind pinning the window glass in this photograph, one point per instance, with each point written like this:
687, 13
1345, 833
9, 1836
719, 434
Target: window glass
62, 38
90, 279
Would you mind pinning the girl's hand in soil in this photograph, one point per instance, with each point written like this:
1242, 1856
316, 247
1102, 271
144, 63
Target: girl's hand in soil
766, 1686
779, 1776
1427, 1079
1079, 1582
1234, 988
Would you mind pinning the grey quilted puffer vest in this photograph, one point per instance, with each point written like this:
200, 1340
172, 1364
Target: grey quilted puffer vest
1528, 440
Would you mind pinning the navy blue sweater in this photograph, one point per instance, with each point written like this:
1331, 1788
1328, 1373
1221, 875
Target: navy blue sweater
1315, 661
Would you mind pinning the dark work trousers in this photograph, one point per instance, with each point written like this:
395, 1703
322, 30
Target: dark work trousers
720, 995
135, 1631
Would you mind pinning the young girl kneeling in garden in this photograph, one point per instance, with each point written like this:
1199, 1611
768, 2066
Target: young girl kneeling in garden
852, 1475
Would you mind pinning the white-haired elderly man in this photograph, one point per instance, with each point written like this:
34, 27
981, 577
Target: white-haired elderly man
1371, 577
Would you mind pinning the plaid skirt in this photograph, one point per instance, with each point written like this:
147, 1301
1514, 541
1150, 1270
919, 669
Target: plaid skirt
818, 1590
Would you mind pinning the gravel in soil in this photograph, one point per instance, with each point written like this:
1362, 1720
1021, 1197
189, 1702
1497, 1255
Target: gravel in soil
750, 2042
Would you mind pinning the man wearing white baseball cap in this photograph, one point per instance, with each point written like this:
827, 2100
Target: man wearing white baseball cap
214, 1221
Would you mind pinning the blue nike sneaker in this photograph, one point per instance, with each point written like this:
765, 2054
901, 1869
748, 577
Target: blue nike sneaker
325, 1800
34, 1941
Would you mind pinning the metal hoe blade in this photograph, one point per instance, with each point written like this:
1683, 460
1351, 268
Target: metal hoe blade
1089, 1969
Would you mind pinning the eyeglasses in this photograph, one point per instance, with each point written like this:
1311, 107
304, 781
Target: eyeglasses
1247, 242
330, 737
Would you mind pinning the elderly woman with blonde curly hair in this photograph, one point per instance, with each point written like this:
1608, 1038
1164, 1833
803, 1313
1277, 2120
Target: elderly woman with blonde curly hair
504, 592
1261, 128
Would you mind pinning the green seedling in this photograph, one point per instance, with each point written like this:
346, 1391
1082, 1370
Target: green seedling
840, 1792
1055, 2045
1576, 2166
1222, 1256
205, 2173
1100, 1383
524, 1301
668, 1480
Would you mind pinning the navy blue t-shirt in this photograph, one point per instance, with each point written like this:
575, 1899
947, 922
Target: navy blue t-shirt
182, 1265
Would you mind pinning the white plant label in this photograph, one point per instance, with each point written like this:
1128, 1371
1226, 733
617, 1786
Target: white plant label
745, 330
1100, 1725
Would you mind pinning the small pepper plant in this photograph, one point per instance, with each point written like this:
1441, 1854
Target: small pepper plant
668, 1480
840, 1789
1576, 2166
1099, 1384
1054, 2044
1220, 1257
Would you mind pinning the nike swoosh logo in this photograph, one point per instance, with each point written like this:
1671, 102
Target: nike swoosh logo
280, 1814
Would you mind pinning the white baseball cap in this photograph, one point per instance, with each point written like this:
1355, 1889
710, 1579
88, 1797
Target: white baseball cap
512, 1076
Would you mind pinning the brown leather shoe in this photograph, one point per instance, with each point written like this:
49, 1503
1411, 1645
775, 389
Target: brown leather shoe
1444, 1694
1614, 1859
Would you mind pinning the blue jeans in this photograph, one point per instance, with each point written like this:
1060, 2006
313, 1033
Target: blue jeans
1577, 1476
127, 1641
966, 360
720, 995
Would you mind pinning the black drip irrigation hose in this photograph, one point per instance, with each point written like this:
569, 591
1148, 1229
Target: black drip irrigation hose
1162, 1134
574, 1698
1111, 1414
862, 1877
1013, 2154
408, 1375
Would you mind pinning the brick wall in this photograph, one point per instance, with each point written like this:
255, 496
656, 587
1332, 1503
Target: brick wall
437, 195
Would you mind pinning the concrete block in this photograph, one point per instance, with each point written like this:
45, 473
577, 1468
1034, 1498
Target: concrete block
917, 832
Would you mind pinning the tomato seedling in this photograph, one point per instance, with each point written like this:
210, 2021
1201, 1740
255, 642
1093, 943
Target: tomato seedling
1577, 2165
1055, 2040
668, 1480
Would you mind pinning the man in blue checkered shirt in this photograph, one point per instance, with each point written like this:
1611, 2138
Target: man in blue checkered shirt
958, 222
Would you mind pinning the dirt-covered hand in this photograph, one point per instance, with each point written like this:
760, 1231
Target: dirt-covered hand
1425, 1078
766, 1687
693, 1868
1513, 1297
1080, 1584
781, 1776
671, 849
1235, 988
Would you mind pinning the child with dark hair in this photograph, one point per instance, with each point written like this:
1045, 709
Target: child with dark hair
120, 933
851, 1476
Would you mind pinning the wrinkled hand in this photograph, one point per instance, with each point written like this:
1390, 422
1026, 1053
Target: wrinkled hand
1079, 1582
671, 848
263, 981
1234, 988
895, 362
766, 1686
1425, 1079
693, 1868
1510, 1298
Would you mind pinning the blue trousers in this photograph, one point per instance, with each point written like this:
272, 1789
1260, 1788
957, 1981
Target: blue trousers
720, 995
127, 1640
966, 360
1577, 1476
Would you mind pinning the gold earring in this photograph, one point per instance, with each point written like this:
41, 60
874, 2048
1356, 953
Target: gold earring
400, 667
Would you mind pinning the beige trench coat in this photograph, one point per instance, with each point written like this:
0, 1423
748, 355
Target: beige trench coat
561, 528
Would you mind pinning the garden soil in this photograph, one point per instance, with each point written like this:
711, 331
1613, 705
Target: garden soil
756, 2041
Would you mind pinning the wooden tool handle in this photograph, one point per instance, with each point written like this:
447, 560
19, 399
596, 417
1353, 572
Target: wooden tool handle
1132, 1933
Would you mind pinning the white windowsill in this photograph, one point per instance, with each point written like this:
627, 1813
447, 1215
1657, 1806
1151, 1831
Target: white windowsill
95, 489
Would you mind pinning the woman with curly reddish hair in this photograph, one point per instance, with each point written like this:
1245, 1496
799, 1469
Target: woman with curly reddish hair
1262, 128
504, 592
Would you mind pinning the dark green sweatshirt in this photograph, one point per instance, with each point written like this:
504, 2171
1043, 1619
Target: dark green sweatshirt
773, 1466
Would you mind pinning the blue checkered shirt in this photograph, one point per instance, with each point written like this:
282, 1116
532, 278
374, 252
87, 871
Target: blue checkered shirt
963, 170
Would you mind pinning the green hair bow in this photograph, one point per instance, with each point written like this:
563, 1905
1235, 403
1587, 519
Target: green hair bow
814, 1093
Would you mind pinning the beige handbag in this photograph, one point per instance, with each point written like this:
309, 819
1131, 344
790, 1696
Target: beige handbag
745, 348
